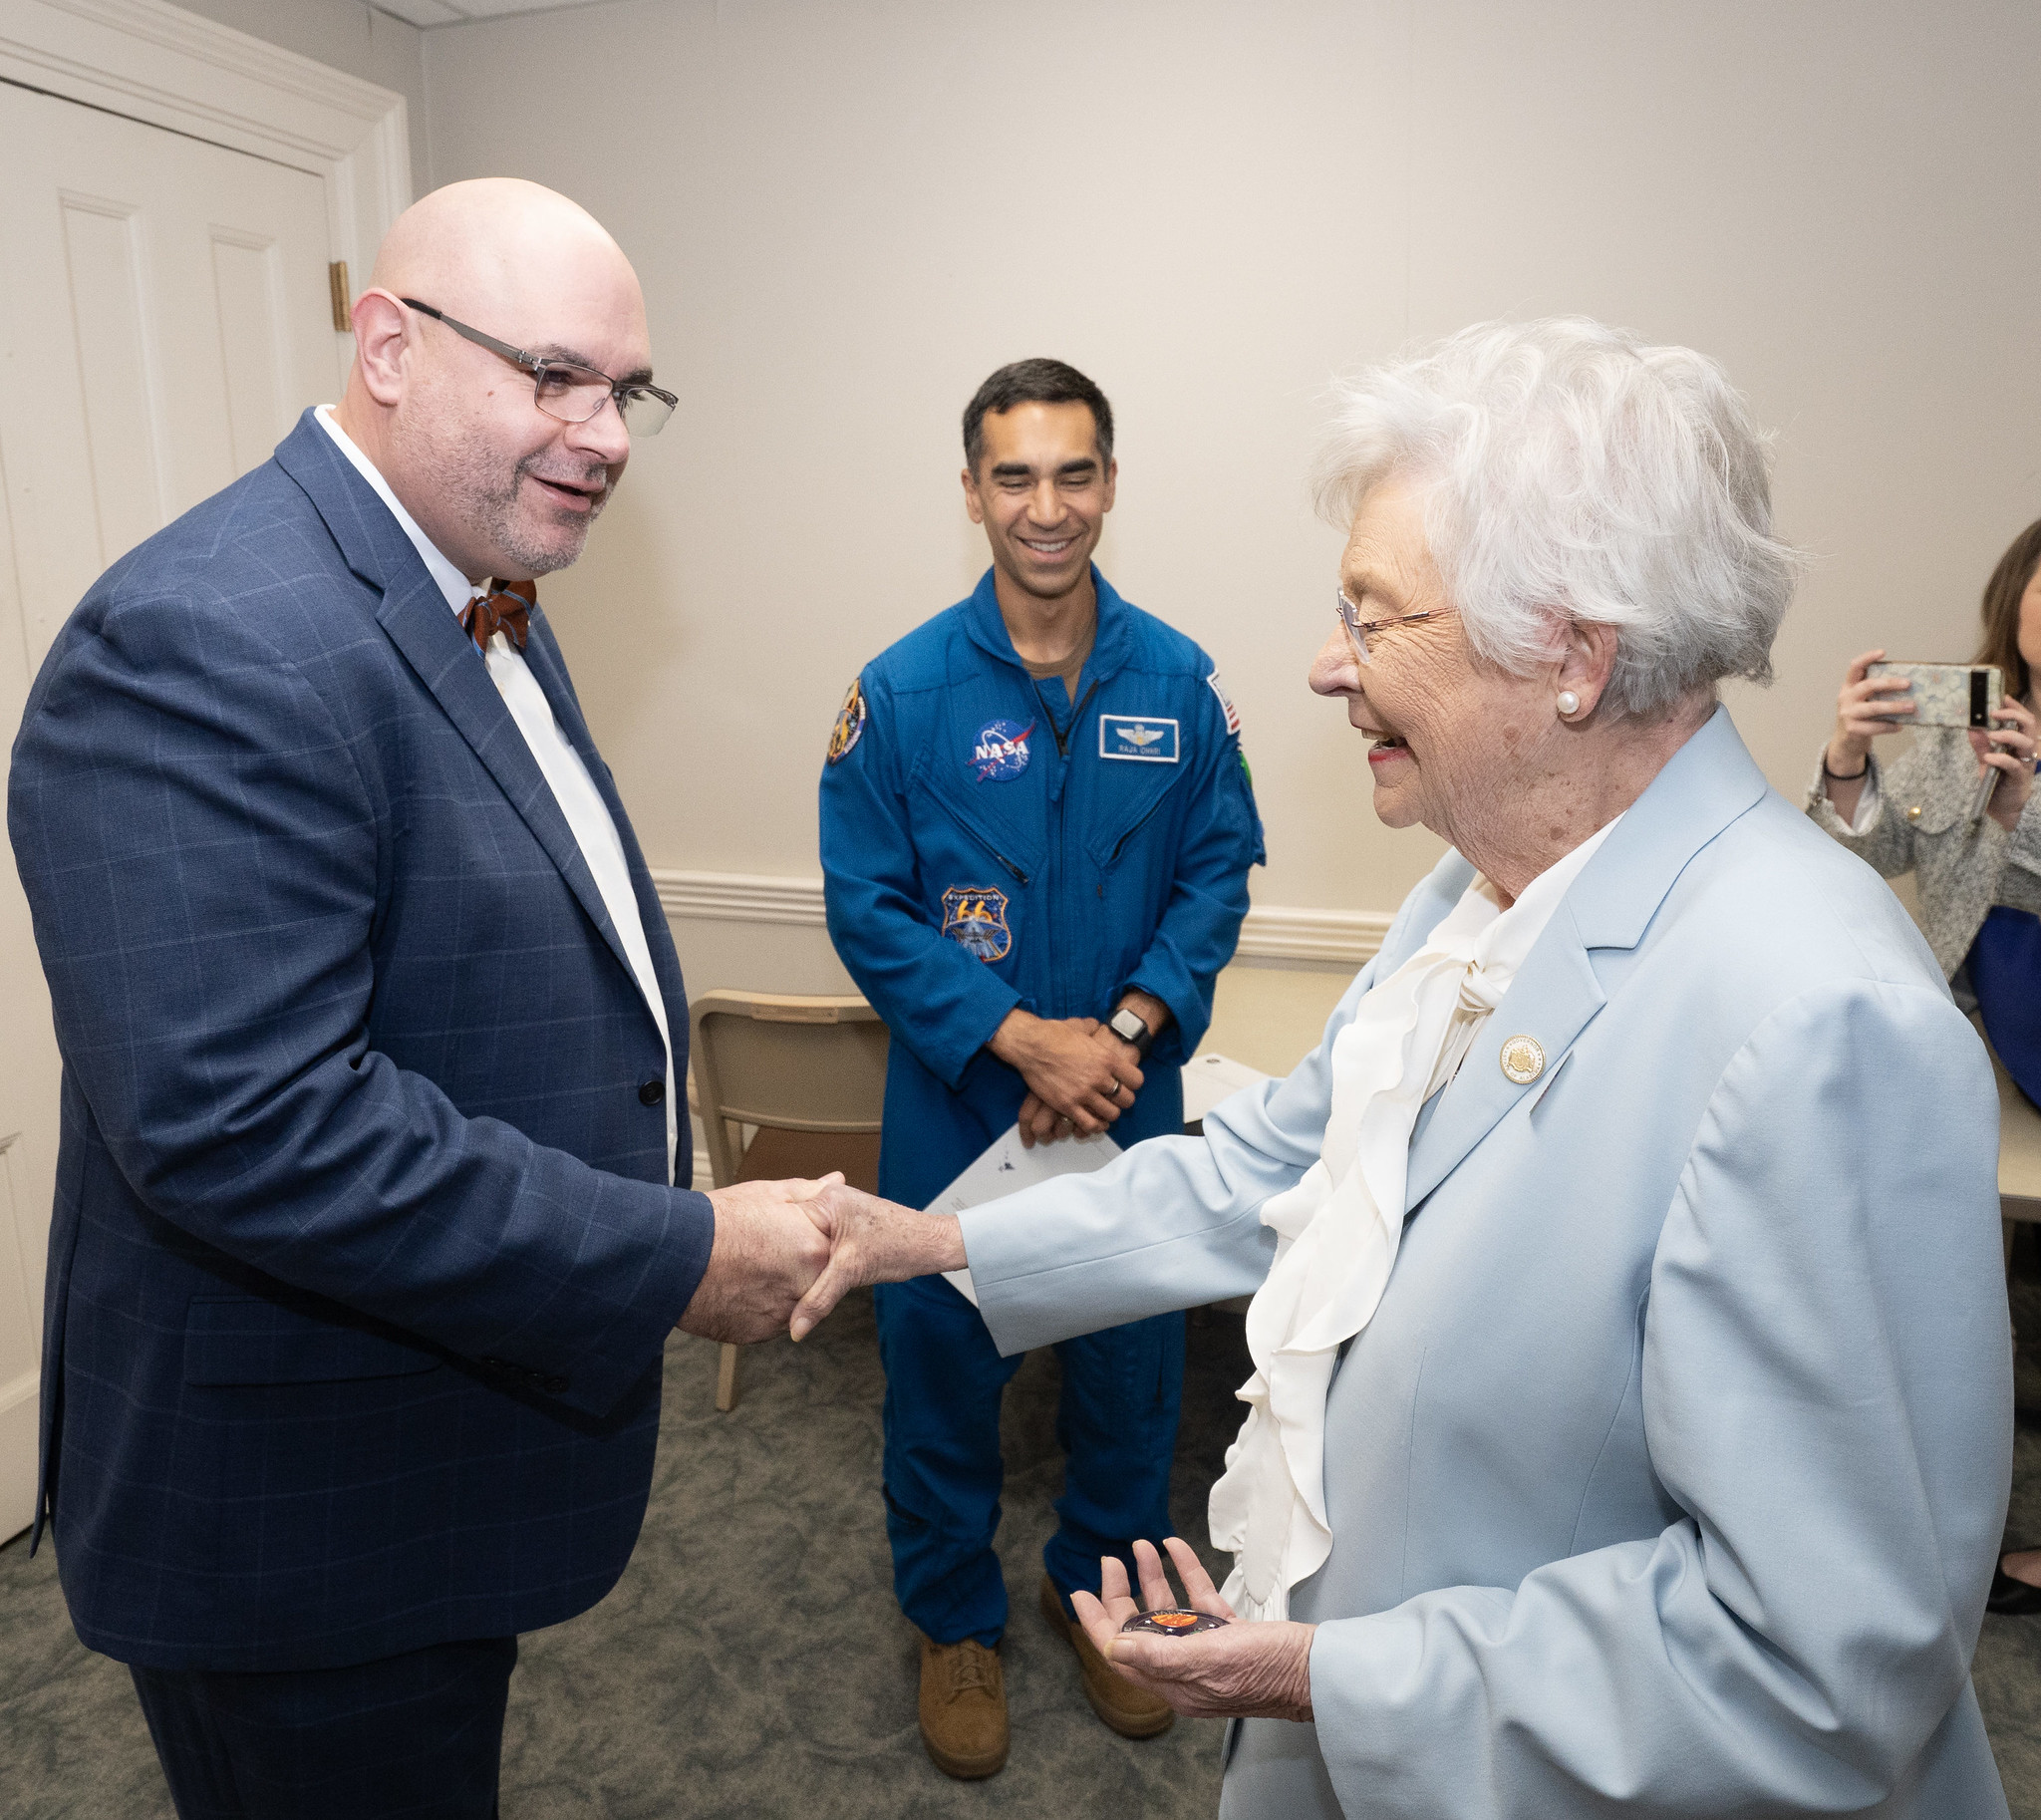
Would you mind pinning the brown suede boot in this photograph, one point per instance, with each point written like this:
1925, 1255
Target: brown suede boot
1130, 1710
963, 1708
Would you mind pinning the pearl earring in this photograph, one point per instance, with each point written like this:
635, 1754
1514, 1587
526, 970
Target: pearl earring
1568, 703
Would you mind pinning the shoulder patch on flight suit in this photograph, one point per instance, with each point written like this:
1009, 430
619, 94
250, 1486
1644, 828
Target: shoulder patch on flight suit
850, 723
1148, 739
975, 918
1232, 712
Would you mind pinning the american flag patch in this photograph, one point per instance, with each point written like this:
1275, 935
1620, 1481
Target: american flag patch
1225, 702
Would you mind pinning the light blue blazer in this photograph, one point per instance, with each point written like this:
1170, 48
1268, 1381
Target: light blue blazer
1668, 1477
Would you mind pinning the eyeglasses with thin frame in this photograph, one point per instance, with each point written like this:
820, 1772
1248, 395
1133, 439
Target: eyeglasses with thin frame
1359, 629
561, 389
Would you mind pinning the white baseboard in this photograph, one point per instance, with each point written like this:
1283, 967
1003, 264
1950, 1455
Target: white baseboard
1273, 933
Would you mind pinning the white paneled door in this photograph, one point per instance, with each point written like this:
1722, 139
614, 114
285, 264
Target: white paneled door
164, 316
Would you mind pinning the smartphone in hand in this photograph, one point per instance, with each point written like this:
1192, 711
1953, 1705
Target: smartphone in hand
1947, 695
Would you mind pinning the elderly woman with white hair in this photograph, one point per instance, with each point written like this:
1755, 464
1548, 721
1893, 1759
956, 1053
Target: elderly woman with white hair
1631, 1411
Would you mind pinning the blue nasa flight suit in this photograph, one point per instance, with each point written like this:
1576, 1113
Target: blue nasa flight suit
987, 844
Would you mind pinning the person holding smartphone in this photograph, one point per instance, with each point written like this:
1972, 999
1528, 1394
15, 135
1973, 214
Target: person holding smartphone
1978, 876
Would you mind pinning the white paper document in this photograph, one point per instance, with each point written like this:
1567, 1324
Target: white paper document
1211, 1077
1006, 1167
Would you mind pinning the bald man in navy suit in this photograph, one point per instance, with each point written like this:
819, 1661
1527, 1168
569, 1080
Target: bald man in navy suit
373, 1212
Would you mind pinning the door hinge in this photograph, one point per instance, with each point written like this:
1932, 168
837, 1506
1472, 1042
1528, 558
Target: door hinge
342, 300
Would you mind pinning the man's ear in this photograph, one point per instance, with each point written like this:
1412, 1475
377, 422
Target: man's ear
1587, 660
1112, 479
972, 503
380, 324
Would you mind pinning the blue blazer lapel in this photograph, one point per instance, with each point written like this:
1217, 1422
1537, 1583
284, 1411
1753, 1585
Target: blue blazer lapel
414, 615
1708, 784
1553, 998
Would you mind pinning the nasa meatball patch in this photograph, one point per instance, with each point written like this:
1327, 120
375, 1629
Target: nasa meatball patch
1000, 751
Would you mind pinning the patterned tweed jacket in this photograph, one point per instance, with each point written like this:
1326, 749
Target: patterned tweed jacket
1916, 818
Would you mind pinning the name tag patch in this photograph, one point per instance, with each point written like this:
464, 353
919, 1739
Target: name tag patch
1146, 739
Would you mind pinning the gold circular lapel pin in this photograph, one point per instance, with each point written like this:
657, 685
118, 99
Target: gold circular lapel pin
1523, 1060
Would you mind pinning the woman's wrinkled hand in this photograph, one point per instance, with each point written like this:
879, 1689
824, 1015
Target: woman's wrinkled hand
2008, 748
1866, 707
1246, 1670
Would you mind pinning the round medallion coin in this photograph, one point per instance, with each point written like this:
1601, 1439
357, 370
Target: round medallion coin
1176, 1621
1523, 1060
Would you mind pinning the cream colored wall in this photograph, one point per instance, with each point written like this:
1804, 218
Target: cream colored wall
845, 215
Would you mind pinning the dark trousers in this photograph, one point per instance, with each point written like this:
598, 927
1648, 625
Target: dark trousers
419, 1735
1116, 1422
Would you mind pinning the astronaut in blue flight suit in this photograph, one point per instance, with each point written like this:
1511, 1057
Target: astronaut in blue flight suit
1037, 829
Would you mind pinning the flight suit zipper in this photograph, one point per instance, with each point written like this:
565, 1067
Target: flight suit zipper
1134, 827
976, 835
1062, 735
1060, 904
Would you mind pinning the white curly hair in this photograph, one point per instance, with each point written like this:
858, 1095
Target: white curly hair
1570, 471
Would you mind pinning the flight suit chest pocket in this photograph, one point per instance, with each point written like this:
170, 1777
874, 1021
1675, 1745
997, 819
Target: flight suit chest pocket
956, 831
1133, 801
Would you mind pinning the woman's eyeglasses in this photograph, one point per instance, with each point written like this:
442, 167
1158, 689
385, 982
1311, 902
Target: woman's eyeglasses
1362, 630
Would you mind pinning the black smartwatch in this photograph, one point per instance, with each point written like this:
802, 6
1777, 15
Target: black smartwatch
1128, 1027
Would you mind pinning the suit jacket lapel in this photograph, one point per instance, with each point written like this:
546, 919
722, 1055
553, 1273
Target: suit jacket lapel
414, 615
1553, 998
1708, 784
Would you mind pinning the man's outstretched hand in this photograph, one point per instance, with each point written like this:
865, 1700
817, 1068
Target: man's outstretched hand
767, 1255
872, 1241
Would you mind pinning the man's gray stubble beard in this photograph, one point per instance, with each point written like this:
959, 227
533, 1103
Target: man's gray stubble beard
495, 509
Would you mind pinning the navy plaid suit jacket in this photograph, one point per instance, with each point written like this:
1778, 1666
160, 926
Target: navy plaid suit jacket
362, 1256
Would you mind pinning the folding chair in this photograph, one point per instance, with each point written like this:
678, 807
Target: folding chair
786, 1087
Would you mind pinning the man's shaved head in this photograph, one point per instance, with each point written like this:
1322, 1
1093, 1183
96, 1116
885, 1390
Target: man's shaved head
497, 484
498, 245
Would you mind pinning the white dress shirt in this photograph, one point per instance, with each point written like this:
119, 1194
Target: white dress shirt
594, 831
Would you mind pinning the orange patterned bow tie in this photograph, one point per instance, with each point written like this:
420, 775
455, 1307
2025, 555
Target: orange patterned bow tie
505, 608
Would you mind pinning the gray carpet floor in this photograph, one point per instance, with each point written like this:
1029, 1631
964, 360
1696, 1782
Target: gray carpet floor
753, 1662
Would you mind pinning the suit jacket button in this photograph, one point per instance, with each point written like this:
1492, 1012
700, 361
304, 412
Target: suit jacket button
555, 1386
652, 1092
1914, 814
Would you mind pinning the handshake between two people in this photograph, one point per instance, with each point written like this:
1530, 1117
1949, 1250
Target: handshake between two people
785, 1252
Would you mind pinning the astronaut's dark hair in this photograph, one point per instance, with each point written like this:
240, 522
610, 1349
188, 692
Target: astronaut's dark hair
1035, 382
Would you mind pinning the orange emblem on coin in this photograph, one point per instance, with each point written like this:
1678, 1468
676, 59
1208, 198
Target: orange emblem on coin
1175, 1620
